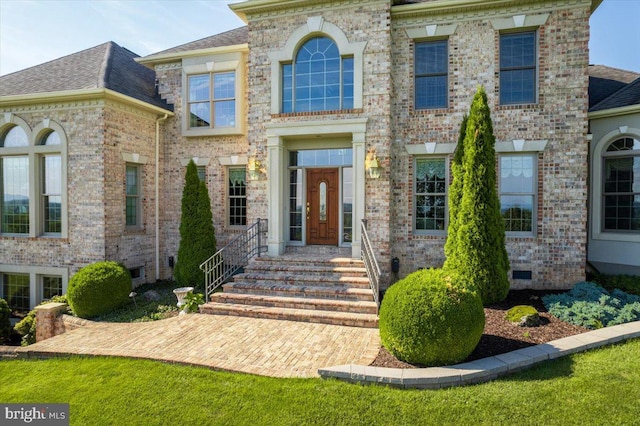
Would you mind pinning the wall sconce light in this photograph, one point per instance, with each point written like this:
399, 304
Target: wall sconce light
372, 165
255, 169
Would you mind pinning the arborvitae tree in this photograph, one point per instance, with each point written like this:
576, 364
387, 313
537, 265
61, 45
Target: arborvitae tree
455, 192
479, 253
197, 234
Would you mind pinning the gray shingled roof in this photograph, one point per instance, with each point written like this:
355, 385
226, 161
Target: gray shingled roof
605, 81
106, 66
626, 96
229, 38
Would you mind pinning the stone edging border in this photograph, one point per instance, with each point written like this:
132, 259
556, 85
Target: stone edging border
482, 370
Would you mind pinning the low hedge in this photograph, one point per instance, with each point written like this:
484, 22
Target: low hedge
627, 283
428, 318
99, 288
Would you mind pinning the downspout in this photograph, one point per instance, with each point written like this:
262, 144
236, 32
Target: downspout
157, 194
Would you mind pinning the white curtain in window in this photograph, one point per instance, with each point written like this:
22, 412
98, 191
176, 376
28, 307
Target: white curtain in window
430, 168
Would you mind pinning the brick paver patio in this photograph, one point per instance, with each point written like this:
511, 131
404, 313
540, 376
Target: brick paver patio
250, 345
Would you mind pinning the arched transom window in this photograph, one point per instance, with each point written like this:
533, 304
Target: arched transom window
31, 182
621, 185
318, 79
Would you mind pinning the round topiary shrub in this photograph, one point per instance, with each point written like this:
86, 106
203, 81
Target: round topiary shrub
428, 318
5, 322
99, 288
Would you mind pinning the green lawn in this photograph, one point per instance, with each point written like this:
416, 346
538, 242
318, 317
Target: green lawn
597, 387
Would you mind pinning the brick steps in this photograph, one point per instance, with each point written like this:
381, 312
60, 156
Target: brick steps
274, 288
364, 307
305, 287
328, 280
303, 315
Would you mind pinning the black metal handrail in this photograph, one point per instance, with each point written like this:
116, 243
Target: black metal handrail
234, 256
371, 264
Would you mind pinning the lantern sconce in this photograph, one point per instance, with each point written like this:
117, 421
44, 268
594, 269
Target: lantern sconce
255, 169
373, 166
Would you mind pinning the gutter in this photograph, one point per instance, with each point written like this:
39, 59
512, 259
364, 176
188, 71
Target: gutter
612, 112
157, 194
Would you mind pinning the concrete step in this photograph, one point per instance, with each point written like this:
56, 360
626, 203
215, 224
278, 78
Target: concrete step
304, 315
359, 306
328, 280
275, 288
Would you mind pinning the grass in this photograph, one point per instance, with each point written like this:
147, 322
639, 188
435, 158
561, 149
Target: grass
597, 387
146, 310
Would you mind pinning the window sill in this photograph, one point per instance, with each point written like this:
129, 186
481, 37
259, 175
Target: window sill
430, 111
225, 131
523, 106
18, 237
134, 230
316, 113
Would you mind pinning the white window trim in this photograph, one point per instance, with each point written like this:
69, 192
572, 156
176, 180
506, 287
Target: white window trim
316, 26
437, 232
35, 152
536, 195
212, 64
35, 274
597, 164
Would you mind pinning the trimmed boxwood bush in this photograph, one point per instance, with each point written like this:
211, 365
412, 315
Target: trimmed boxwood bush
5, 323
428, 318
99, 288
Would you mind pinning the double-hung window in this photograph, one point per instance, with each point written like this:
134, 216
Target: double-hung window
431, 70
430, 195
237, 196
318, 79
212, 100
133, 205
518, 188
621, 186
518, 68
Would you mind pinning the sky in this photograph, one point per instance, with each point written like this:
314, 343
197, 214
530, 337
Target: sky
33, 32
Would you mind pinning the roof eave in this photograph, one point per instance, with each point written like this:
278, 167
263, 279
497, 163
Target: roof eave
80, 95
177, 56
613, 112
257, 6
441, 6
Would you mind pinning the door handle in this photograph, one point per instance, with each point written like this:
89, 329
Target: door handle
308, 210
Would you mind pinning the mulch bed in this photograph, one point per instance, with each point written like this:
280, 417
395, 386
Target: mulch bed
501, 336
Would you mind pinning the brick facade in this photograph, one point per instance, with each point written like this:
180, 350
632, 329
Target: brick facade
100, 133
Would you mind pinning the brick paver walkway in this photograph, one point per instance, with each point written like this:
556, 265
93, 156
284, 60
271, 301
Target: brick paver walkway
251, 345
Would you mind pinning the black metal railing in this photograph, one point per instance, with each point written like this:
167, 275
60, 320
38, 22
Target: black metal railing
371, 264
234, 256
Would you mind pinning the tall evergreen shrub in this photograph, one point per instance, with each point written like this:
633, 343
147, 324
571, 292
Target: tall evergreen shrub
455, 191
479, 253
197, 234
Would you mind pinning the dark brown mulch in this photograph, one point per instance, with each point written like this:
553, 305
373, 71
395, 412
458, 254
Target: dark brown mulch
501, 336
